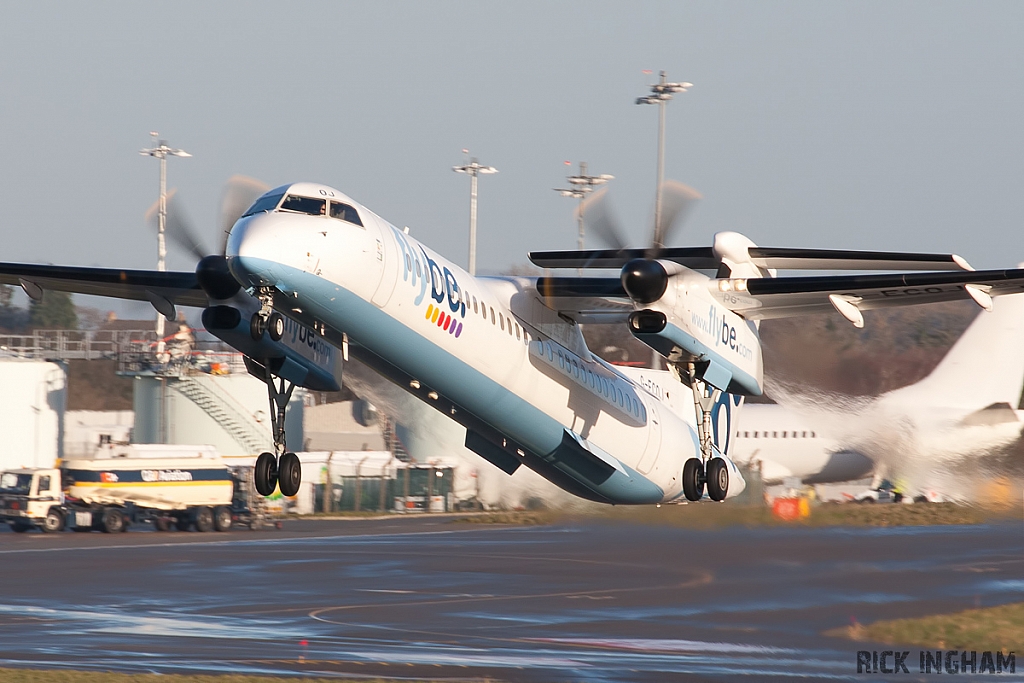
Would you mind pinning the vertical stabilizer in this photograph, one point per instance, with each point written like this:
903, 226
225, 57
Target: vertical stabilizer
984, 366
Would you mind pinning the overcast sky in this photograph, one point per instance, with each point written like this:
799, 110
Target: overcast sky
872, 125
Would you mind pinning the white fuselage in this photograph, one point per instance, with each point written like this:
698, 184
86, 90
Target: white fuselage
485, 346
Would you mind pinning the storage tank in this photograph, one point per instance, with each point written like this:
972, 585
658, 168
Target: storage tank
229, 412
31, 412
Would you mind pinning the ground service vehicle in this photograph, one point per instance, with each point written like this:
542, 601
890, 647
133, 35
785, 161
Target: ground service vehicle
111, 493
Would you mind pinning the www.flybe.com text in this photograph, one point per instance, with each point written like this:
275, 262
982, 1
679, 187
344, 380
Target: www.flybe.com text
725, 334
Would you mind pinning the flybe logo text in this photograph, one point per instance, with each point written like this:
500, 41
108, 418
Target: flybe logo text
725, 334
422, 271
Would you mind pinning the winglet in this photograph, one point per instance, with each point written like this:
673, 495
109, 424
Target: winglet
962, 262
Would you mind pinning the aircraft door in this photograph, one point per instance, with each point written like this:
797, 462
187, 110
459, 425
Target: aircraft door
650, 456
388, 255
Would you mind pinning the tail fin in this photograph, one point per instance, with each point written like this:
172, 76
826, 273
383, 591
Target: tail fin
986, 365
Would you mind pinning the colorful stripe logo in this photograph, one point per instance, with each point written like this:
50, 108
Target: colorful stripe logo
443, 320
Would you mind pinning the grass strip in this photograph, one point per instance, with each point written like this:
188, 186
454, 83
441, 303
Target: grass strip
989, 628
708, 515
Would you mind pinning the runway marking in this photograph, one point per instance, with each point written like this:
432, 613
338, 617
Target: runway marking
702, 579
253, 541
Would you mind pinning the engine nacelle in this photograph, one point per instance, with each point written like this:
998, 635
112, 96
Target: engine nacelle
302, 356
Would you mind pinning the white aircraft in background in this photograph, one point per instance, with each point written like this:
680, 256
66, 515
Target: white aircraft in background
966, 406
307, 271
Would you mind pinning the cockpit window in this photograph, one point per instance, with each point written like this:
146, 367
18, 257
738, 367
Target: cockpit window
268, 203
314, 207
345, 213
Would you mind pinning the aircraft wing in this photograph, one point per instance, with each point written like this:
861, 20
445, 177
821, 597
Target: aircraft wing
766, 298
178, 288
603, 300
782, 258
596, 300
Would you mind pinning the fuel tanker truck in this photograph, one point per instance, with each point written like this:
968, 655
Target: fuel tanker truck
109, 494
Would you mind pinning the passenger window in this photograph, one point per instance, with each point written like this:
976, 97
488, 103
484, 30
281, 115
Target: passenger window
314, 207
408, 263
418, 273
783, 435
492, 316
501, 321
517, 330
474, 305
345, 213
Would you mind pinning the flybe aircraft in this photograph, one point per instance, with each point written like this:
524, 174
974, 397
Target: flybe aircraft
310, 277
966, 406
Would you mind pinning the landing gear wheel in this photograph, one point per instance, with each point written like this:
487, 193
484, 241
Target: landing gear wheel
275, 326
113, 521
204, 519
289, 474
264, 474
257, 326
693, 479
221, 518
718, 479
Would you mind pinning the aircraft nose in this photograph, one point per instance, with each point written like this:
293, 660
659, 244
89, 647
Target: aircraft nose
250, 249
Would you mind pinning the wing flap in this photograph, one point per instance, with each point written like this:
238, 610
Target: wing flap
763, 299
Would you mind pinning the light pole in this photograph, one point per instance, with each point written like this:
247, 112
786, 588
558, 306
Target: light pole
161, 151
582, 185
473, 169
661, 93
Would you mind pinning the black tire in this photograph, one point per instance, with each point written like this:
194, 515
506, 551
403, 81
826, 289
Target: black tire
182, 523
257, 326
264, 474
289, 474
275, 326
113, 521
204, 519
221, 518
717, 479
19, 528
693, 479
53, 523
162, 523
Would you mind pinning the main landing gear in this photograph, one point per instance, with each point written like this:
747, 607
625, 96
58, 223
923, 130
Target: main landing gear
280, 468
708, 470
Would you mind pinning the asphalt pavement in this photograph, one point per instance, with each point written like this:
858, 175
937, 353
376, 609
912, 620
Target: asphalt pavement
434, 598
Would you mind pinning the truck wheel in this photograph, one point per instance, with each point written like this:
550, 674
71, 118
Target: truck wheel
161, 523
182, 523
19, 528
54, 522
204, 519
113, 521
221, 518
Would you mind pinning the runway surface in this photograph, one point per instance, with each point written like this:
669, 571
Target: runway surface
430, 598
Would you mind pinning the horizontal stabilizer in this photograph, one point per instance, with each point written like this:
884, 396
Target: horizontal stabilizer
997, 413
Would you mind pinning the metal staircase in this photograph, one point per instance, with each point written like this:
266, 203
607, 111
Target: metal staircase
224, 410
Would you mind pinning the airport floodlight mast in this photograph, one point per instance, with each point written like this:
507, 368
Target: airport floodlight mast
661, 93
161, 151
582, 185
473, 169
